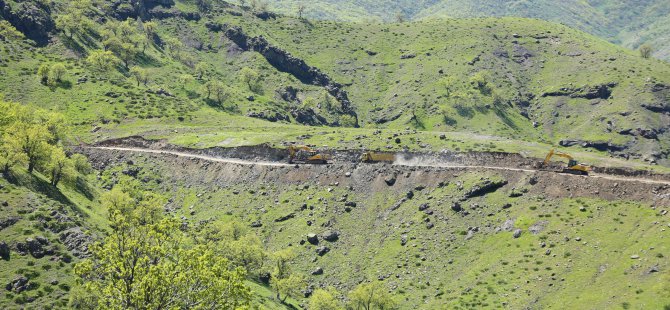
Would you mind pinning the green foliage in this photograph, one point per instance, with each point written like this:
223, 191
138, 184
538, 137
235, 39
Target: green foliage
324, 299
43, 73
370, 296
56, 73
102, 61
251, 78
141, 75
646, 50
74, 19
8, 32
148, 262
283, 280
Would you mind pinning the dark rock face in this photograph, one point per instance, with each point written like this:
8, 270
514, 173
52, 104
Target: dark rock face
268, 116
285, 218
4, 251
322, 250
18, 285
603, 91
484, 188
313, 239
308, 117
318, 271
32, 18
285, 62
601, 146
4, 223
76, 241
331, 236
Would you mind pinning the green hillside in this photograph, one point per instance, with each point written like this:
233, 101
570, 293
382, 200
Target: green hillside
218, 79
523, 79
630, 24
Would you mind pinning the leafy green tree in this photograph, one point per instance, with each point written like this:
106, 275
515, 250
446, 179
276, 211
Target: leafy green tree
31, 140
301, 10
141, 75
283, 281
8, 32
56, 73
43, 73
147, 262
201, 69
102, 61
646, 50
81, 164
59, 166
250, 77
347, 120
10, 156
370, 296
185, 79
174, 46
74, 19
324, 300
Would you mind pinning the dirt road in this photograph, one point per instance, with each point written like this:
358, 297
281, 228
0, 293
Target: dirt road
397, 163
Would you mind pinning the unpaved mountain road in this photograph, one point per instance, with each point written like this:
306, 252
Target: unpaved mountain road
190, 155
397, 163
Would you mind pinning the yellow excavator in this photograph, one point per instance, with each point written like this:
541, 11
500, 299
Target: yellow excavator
306, 155
572, 168
376, 157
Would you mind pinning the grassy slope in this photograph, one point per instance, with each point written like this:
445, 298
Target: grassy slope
628, 23
34, 201
440, 266
380, 86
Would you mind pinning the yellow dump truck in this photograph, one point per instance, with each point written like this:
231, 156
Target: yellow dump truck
377, 157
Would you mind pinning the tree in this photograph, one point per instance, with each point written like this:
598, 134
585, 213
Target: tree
250, 77
174, 46
102, 61
8, 32
400, 17
301, 10
201, 69
147, 262
43, 73
140, 74
10, 156
216, 88
31, 140
56, 73
324, 300
185, 79
284, 282
367, 295
646, 50
59, 166
74, 20
81, 164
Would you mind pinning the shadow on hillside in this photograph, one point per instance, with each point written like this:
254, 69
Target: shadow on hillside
82, 187
38, 185
504, 117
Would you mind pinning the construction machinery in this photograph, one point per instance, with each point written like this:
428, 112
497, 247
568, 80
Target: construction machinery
572, 168
306, 155
376, 157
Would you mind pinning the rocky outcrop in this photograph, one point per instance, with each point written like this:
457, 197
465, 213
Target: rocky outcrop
308, 117
285, 62
269, 116
18, 285
32, 18
76, 242
600, 146
603, 91
483, 188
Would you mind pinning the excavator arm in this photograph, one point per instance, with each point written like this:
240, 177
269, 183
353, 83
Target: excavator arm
573, 167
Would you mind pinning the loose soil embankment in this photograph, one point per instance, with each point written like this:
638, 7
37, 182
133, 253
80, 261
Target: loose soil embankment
253, 164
